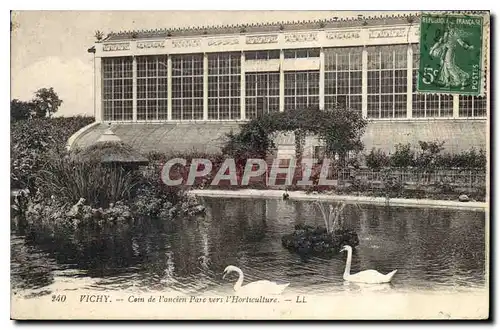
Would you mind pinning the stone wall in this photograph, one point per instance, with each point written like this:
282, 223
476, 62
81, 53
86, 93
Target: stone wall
459, 135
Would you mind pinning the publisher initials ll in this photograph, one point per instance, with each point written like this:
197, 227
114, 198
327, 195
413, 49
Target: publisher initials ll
301, 300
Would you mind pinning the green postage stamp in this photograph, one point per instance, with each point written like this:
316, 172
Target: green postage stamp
451, 49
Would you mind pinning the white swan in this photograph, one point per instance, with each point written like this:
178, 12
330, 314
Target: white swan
367, 276
257, 287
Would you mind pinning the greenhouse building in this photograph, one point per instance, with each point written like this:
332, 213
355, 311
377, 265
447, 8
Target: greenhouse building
184, 89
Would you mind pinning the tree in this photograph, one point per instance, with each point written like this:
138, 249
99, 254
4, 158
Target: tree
20, 110
46, 102
342, 132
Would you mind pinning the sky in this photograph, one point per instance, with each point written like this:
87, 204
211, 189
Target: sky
49, 48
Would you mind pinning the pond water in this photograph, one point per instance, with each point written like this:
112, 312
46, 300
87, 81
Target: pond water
433, 249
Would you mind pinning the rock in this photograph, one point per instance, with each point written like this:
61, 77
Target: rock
463, 198
75, 208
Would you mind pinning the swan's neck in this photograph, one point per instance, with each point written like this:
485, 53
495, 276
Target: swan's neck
347, 270
239, 282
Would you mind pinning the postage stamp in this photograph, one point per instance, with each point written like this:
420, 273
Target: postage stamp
451, 54
219, 168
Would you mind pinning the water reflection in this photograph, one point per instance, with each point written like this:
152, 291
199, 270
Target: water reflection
432, 249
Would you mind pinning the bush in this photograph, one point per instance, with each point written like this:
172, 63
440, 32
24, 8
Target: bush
354, 162
403, 156
377, 159
20, 110
429, 155
340, 130
470, 159
32, 139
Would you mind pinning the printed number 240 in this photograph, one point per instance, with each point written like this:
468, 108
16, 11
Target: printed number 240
59, 298
429, 75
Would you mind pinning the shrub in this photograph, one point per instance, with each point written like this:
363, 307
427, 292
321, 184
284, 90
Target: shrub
354, 162
377, 159
403, 156
470, 159
155, 198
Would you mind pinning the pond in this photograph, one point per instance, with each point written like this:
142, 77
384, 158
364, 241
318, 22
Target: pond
433, 250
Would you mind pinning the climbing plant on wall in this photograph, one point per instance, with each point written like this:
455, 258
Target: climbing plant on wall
339, 129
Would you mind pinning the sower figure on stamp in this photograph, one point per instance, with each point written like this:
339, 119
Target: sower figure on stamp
450, 74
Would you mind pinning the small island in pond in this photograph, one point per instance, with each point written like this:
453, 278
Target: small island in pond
308, 239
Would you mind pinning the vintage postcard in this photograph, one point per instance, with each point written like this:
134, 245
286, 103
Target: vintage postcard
250, 165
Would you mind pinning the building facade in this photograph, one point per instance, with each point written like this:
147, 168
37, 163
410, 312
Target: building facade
222, 75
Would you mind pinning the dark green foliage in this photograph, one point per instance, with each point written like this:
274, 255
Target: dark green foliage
470, 159
46, 102
300, 141
377, 159
20, 110
445, 186
360, 185
253, 141
404, 156
57, 180
429, 154
339, 129
32, 139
